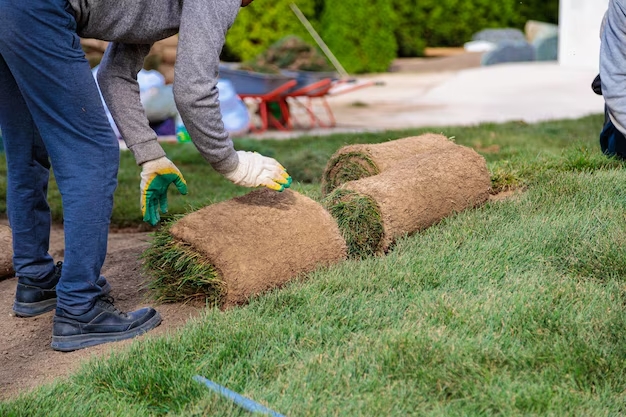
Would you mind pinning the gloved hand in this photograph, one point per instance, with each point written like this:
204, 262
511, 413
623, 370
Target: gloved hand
255, 169
156, 177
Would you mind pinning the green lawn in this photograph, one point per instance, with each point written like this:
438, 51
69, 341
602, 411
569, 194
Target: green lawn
515, 308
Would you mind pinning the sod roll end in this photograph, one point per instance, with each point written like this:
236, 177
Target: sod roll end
353, 162
415, 194
359, 218
254, 243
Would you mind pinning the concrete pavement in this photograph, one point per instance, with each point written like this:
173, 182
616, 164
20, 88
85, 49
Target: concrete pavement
530, 92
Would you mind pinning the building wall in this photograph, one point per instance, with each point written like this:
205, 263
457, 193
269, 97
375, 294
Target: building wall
579, 32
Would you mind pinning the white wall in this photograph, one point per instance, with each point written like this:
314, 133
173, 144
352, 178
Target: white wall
579, 32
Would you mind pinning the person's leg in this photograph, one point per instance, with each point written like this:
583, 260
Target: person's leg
27, 185
49, 69
28, 210
29, 215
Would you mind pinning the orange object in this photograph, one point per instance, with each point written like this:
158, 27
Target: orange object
263, 100
304, 96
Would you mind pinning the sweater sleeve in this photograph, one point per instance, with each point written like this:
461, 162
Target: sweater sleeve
613, 63
203, 28
117, 77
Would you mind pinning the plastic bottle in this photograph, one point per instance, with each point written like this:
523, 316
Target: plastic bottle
181, 131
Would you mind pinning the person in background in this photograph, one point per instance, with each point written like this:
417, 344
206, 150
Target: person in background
611, 81
51, 115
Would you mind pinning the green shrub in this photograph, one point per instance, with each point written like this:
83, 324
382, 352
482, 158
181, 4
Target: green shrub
367, 36
423, 23
357, 30
408, 29
542, 10
261, 24
360, 33
453, 22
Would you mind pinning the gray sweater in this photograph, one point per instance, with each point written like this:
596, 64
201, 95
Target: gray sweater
133, 26
613, 62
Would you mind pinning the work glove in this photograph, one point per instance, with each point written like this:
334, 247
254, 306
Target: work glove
255, 169
156, 177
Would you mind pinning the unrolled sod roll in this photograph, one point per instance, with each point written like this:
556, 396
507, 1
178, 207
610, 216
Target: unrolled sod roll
249, 244
6, 252
354, 162
408, 197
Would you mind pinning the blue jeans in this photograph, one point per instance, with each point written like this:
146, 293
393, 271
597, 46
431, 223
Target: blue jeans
51, 115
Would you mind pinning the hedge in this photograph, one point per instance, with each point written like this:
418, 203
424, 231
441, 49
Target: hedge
367, 35
261, 24
360, 33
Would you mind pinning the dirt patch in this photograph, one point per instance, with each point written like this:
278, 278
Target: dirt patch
26, 359
506, 195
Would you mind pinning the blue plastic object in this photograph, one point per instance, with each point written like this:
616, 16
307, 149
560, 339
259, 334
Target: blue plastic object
243, 402
509, 52
547, 48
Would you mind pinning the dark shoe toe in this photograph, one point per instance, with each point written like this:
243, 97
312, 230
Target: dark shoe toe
102, 324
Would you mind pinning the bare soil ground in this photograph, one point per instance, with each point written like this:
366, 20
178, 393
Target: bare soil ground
26, 359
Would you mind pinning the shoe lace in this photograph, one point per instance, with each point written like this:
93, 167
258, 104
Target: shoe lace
107, 302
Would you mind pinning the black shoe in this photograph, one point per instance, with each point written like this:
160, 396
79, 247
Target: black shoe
31, 300
596, 85
102, 324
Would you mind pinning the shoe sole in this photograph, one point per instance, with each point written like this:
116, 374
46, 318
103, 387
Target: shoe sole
27, 310
81, 341
34, 309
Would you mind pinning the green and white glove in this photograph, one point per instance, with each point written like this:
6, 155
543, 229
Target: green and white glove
156, 177
255, 169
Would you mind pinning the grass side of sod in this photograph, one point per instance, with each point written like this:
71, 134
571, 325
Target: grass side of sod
514, 308
179, 273
359, 220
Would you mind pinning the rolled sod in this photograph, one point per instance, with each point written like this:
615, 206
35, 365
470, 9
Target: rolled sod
6, 252
354, 162
230, 251
416, 193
